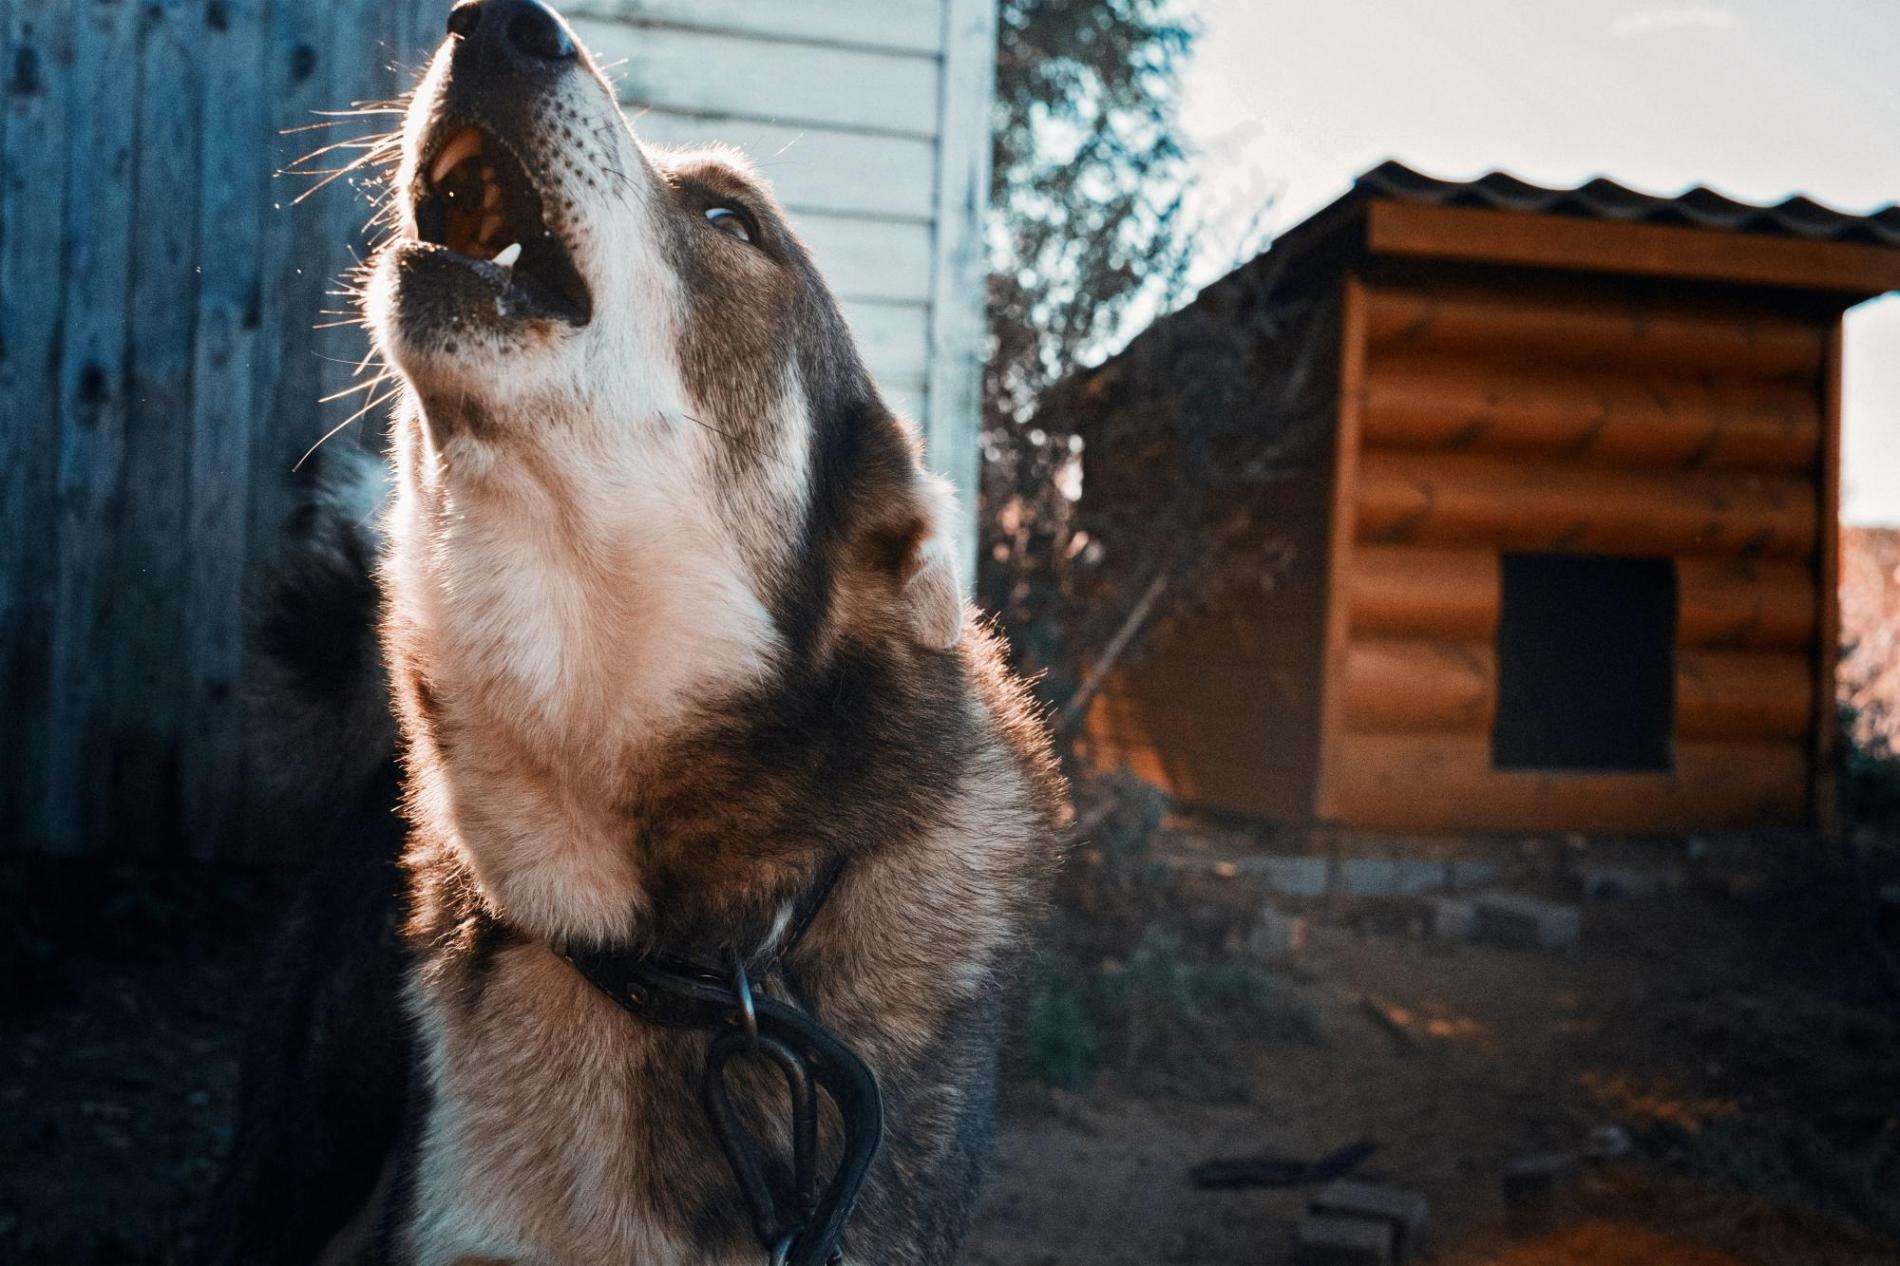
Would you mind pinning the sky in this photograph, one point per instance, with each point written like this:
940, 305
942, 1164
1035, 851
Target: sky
1289, 99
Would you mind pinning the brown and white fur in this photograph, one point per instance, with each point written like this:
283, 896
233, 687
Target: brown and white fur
671, 620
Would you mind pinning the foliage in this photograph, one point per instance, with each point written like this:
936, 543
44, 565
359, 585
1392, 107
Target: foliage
1168, 1021
1088, 177
1870, 772
1129, 984
1061, 1047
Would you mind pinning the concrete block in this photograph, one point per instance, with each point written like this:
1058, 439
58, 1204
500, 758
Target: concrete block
1324, 1239
1400, 1208
1275, 934
1390, 876
1609, 1142
1470, 872
1509, 918
1535, 1188
1453, 919
1625, 883
1291, 876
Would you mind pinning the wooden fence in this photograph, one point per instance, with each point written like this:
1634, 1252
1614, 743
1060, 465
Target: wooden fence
159, 377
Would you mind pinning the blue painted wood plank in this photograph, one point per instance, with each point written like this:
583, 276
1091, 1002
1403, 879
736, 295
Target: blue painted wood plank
229, 407
38, 82
96, 278
144, 627
299, 43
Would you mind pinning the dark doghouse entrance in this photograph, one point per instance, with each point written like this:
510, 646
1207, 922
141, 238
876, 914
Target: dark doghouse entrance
1586, 663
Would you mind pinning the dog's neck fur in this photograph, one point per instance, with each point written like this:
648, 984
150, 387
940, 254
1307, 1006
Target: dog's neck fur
558, 644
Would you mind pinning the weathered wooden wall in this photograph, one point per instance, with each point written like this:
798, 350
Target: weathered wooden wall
159, 376
873, 128
169, 321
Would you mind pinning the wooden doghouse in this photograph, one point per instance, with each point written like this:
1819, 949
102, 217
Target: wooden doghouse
1553, 485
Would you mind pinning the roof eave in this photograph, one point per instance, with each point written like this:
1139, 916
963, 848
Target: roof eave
1526, 239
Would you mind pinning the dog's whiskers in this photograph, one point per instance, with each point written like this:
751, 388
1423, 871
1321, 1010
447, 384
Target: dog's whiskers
385, 398
383, 377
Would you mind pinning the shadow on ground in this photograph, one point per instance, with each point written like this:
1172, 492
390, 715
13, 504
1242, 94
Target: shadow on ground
1742, 1043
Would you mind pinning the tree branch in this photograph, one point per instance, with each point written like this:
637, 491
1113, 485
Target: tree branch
1138, 616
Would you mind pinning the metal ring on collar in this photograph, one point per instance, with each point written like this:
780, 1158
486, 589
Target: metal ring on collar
742, 985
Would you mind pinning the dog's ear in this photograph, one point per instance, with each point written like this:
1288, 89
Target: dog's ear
930, 591
901, 579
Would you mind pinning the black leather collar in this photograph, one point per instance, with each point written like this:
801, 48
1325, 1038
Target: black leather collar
799, 1225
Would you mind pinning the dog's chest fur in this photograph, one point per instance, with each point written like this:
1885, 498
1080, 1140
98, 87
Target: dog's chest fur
544, 1139
560, 1128
551, 639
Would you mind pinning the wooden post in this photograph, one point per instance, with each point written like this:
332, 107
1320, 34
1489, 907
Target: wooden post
1412, 686
1413, 591
1827, 566
1339, 547
1446, 782
953, 403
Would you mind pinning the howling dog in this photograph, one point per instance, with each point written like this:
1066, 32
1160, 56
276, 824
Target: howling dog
672, 920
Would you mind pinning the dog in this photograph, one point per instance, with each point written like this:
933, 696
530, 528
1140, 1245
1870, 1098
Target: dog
665, 608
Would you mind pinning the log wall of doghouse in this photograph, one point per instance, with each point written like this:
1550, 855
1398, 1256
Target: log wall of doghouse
1590, 383
1516, 413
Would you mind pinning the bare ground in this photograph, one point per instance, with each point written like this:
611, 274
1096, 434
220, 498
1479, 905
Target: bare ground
1714, 1032
1739, 1042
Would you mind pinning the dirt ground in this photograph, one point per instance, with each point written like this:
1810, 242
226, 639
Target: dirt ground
1712, 1029
1675, 1022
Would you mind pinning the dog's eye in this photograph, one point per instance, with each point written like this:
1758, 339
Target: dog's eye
727, 220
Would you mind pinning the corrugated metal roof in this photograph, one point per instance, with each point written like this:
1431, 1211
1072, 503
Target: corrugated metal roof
1603, 199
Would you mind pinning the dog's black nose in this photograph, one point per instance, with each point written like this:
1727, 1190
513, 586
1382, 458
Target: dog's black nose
525, 31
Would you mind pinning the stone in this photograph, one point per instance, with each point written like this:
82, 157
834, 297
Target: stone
1470, 872
1275, 934
1609, 1142
1510, 918
1291, 876
1324, 1239
1453, 919
1626, 883
1400, 1208
1390, 876
1534, 1187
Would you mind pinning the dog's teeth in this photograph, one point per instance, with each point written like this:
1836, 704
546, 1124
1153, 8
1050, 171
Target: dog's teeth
466, 142
507, 255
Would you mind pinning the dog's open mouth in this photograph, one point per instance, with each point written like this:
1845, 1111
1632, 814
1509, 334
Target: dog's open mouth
475, 199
